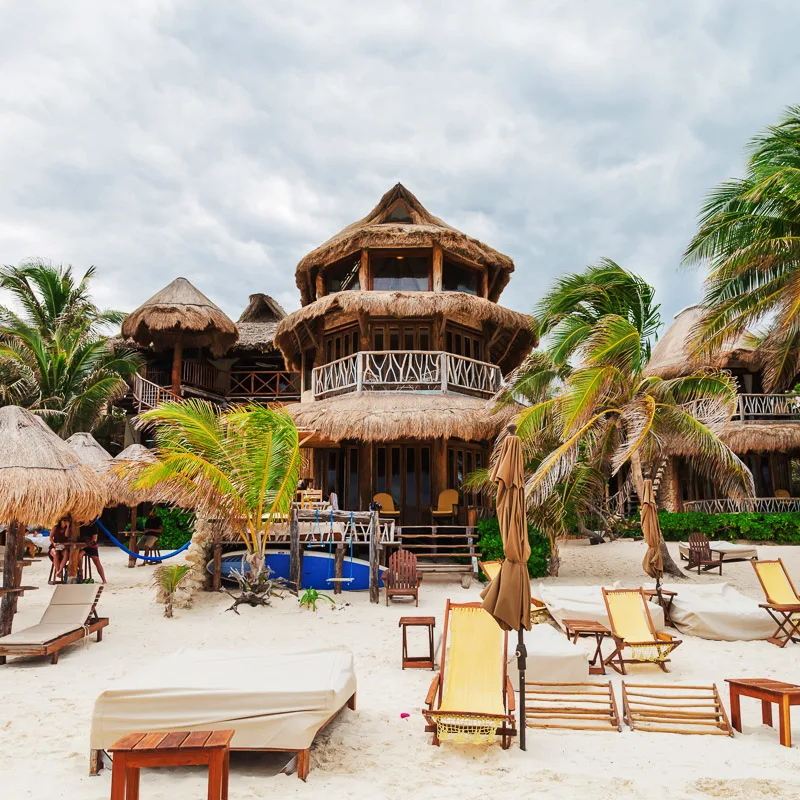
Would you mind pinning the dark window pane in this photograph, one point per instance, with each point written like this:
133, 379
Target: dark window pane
459, 472
396, 476
456, 278
394, 339
425, 477
467, 347
408, 336
333, 461
451, 470
449, 342
411, 477
337, 348
379, 338
398, 273
352, 493
329, 350
399, 213
343, 276
355, 342
381, 487
424, 339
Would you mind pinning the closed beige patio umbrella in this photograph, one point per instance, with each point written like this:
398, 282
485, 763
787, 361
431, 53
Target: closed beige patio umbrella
653, 563
508, 597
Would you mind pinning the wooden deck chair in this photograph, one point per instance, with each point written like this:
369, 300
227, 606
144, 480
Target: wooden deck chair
471, 699
446, 506
783, 602
402, 579
632, 629
387, 505
70, 617
701, 555
539, 612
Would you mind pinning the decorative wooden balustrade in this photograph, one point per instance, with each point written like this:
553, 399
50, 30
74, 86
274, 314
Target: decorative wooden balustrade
768, 407
202, 376
406, 370
147, 395
753, 505
264, 384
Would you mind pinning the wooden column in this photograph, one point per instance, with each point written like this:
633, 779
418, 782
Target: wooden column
74, 555
132, 537
177, 362
363, 271
439, 469
320, 285
295, 553
366, 489
338, 562
374, 595
438, 259
11, 575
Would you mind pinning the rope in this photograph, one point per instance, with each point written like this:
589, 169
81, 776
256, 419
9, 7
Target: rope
154, 559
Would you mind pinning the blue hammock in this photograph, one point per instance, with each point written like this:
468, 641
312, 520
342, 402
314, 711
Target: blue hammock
153, 559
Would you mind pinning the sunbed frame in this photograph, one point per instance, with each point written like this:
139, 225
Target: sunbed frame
507, 728
786, 616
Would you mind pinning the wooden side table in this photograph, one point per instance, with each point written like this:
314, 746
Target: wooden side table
785, 695
418, 662
179, 749
575, 628
665, 601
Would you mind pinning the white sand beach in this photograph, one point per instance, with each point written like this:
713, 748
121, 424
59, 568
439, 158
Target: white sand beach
45, 710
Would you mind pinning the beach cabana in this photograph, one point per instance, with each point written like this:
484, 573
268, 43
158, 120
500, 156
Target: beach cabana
41, 480
90, 452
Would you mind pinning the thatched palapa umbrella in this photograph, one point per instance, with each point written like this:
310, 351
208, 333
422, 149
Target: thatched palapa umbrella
508, 597
90, 452
177, 316
41, 480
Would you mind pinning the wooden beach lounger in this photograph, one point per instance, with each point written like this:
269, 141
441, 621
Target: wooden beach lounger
70, 617
783, 602
539, 612
633, 630
674, 709
471, 700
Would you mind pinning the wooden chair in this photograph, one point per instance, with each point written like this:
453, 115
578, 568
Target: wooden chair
471, 700
402, 579
539, 612
633, 630
782, 494
701, 555
446, 507
783, 602
387, 505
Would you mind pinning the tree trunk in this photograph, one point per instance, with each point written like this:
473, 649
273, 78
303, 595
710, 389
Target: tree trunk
11, 576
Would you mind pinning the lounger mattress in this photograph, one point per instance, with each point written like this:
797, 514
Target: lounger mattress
212, 690
730, 550
552, 658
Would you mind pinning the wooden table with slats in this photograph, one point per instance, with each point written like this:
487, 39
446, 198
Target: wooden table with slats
784, 695
178, 749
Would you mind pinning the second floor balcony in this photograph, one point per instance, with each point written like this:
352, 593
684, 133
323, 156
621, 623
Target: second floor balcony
406, 371
767, 408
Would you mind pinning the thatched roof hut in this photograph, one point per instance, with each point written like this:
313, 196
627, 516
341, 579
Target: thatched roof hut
762, 436
389, 416
41, 477
514, 337
672, 355
258, 323
90, 452
118, 478
401, 221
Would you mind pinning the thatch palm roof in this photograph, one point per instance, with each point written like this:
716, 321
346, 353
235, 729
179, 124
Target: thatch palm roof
401, 221
258, 323
672, 355
762, 436
118, 479
41, 477
90, 451
292, 332
181, 309
389, 416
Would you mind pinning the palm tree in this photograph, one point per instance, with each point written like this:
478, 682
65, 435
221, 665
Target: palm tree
605, 414
749, 236
240, 465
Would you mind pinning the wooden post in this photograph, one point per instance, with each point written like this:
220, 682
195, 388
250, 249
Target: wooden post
443, 370
295, 553
438, 258
320, 285
363, 271
365, 487
11, 575
217, 577
359, 372
74, 555
177, 363
338, 562
132, 537
439, 469
374, 535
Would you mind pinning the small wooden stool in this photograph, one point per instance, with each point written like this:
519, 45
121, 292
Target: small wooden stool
179, 749
785, 695
418, 662
575, 628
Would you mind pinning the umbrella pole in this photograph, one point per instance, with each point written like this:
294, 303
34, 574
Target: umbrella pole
522, 654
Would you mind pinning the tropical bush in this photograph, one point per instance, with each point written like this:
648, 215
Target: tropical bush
178, 526
490, 545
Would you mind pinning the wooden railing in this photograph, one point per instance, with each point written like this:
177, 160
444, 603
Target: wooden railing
147, 395
265, 384
405, 370
767, 407
755, 505
203, 376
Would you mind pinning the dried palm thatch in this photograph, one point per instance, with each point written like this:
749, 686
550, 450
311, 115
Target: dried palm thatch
672, 356
180, 309
119, 478
258, 323
388, 416
762, 437
90, 452
41, 477
383, 227
409, 305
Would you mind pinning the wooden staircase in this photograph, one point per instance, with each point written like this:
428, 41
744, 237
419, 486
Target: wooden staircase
449, 549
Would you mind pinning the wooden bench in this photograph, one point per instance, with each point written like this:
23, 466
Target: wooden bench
178, 749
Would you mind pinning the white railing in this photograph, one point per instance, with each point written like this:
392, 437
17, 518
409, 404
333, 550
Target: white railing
766, 407
343, 526
147, 394
405, 370
754, 505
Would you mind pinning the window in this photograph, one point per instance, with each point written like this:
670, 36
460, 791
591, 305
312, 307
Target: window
461, 462
458, 278
401, 273
388, 336
463, 343
341, 343
399, 213
343, 275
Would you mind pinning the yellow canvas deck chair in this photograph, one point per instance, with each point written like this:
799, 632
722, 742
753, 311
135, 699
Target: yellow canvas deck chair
539, 612
471, 700
783, 602
633, 630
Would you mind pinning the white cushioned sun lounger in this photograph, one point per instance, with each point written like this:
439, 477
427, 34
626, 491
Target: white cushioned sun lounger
552, 658
730, 551
297, 695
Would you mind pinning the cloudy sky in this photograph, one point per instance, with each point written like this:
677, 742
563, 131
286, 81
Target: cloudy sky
222, 141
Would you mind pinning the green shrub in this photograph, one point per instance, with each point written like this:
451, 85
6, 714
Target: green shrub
178, 528
490, 545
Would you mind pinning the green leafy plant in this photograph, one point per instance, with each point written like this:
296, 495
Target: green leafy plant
177, 527
490, 544
311, 597
167, 578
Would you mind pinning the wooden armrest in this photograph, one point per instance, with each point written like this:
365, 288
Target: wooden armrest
510, 695
664, 637
432, 691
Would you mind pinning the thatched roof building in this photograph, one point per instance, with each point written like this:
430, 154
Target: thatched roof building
672, 355
180, 309
258, 323
90, 451
401, 221
118, 478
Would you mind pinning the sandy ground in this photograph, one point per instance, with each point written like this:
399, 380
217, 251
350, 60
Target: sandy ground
45, 710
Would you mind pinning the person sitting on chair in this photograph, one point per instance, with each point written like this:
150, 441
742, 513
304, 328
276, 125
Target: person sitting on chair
93, 553
59, 536
153, 528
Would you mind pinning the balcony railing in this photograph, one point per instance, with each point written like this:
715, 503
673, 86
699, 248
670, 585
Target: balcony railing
767, 407
753, 505
265, 384
147, 395
406, 371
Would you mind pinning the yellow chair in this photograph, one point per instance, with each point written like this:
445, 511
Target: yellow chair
446, 507
632, 628
782, 494
472, 694
387, 505
783, 602
539, 612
